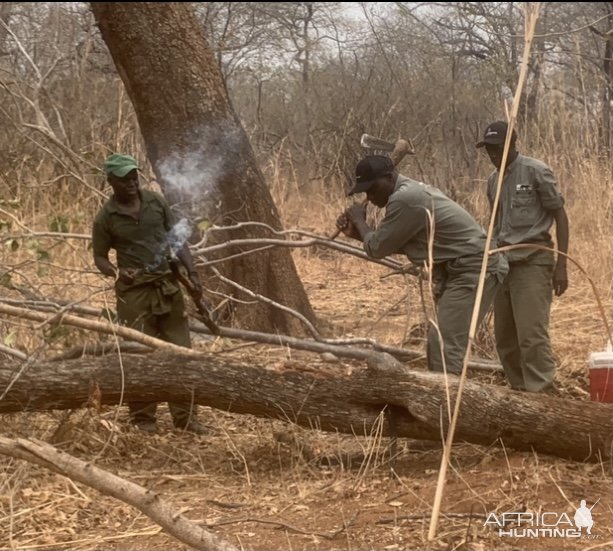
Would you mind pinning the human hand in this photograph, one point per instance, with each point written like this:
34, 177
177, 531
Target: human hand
356, 214
560, 279
194, 278
127, 275
344, 225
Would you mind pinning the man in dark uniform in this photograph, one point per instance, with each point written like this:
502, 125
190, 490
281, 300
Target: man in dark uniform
136, 223
416, 216
530, 202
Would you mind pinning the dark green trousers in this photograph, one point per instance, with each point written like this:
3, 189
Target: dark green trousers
158, 310
454, 312
521, 311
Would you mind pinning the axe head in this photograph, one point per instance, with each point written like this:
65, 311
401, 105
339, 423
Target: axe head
370, 142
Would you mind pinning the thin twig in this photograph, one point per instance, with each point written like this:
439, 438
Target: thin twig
99, 326
603, 315
50, 234
311, 242
13, 352
311, 328
290, 527
147, 501
423, 516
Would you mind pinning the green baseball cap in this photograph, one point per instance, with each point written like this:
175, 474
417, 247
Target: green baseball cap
119, 165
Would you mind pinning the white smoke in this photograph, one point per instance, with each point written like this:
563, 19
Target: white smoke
178, 236
192, 180
193, 177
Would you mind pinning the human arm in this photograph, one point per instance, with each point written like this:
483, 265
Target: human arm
552, 200
560, 274
101, 244
402, 222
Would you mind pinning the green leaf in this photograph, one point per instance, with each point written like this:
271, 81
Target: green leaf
42, 271
14, 245
5, 225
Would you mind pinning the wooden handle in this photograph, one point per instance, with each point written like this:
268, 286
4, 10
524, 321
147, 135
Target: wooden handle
338, 231
402, 148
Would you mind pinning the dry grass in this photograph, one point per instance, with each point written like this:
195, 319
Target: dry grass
245, 470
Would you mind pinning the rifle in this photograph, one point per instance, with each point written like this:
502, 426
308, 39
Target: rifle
204, 308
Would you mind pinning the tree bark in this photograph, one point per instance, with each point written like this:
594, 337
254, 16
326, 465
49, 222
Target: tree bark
415, 402
196, 144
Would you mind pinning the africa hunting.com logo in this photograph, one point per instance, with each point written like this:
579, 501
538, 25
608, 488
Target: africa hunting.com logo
547, 524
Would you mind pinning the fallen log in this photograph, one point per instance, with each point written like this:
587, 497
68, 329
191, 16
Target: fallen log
416, 403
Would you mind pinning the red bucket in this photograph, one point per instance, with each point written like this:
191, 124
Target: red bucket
601, 376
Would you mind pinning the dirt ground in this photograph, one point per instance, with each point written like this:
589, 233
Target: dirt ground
260, 493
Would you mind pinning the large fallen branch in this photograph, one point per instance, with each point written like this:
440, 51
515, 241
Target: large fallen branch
92, 325
341, 348
147, 501
349, 403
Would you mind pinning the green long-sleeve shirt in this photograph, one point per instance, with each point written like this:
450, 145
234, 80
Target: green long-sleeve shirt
413, 211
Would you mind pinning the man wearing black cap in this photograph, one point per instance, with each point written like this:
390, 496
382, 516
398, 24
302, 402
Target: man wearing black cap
415, 215
530, 202
136, 222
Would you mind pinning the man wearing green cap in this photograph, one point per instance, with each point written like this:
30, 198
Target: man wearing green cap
137, 223
530, 202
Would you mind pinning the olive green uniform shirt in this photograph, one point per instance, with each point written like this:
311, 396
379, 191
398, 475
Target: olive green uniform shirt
140, 243
528, 198
412, 211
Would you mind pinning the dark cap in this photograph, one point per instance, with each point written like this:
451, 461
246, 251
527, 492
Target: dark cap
368, 170
496, 134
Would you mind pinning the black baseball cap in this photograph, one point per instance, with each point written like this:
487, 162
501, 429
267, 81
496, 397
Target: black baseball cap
368, 170
496, 134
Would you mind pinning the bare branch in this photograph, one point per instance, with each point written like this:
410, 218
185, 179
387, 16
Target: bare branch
12, 352
341, 348
268, 301
148, 502
99, 326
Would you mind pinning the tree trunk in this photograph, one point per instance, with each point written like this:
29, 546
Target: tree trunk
415, 402
196, 144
